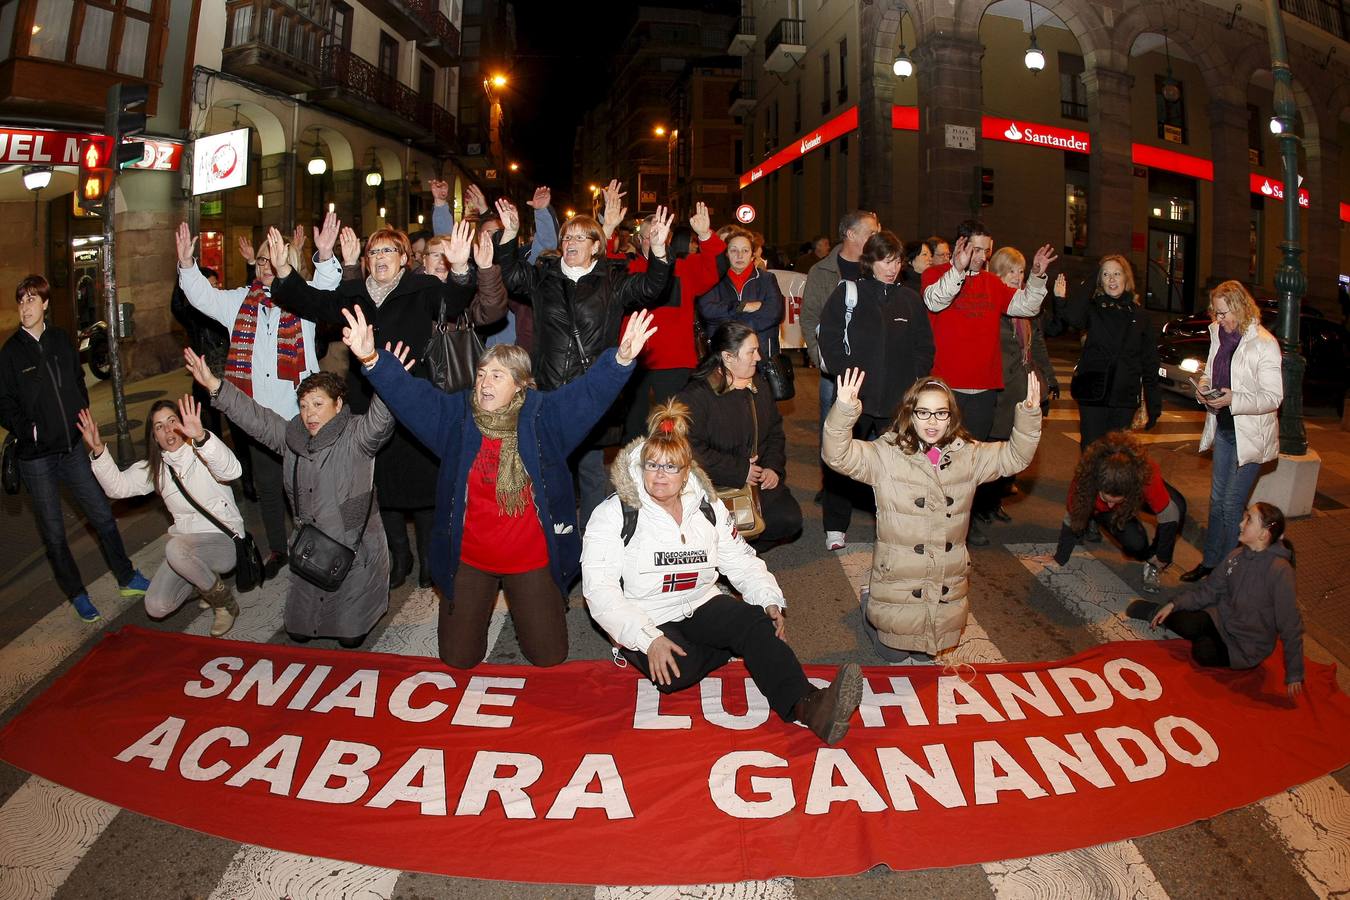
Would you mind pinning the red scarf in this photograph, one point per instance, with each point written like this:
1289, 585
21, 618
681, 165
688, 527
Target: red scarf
290, 343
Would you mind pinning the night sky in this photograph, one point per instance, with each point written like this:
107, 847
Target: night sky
561, 70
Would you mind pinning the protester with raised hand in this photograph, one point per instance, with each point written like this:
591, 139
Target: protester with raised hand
579, 302
505, 508
614, 211
182, 460
271, 351
328, 454
745, 294
924, 471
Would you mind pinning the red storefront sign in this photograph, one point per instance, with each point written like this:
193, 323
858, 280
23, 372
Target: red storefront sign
905, 118
160, 155
1172, 161
837, 127
1274, 189
20, 146
1036, 134
1345, 212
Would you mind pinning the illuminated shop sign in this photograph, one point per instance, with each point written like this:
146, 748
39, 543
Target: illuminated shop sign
50, 148
1172, 161
812, 140
1270, 187
1345, 212
1034, 133
905, 118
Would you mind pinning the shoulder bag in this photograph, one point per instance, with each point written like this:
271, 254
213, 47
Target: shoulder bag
777, 372
316, 557
248, 564
743, 502
452, 353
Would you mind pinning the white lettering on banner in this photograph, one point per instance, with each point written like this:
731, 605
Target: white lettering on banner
757, 175
285, 751
901, 694
1011, 695
823, 792
1054, 759
400, 701
574, 796
310, 687
49, 147
216, 680
1068, 677
1113, 739
429, 795
722, 786
348, 762
1208, 752
484, 781
190, 767
357, 693
714, 710
989, 758
810, 143
1114, 672
156, 745
952, 689
938, 781
647, 715
270, 689
477, 695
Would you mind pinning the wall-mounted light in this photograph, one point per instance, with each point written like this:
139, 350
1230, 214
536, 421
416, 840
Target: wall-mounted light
381, 212
421, 219
1171, 90
374, 177
903, 67
1033, 59
35, 178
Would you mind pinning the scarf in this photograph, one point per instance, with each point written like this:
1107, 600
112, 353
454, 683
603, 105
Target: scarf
1222, 376
576, 273
379, 292
738, 281
290, 342
512, 480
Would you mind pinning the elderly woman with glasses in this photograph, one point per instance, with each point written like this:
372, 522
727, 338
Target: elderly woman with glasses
403, 306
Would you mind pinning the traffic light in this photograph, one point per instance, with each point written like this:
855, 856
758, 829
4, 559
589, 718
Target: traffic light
95, 175
986, 187
125, 117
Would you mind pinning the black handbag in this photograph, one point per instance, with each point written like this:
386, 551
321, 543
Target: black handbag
316, 557
1091, 386
452, 353
777, 371
248, 564
9, 464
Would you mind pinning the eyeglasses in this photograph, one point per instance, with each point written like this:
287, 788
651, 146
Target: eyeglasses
575, 239
668, 468
380, 251
266, 259
923, 415
1221, 313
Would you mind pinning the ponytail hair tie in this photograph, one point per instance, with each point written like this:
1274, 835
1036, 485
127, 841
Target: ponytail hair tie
667, 426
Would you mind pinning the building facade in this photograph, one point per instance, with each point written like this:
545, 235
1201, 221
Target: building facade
1145, 131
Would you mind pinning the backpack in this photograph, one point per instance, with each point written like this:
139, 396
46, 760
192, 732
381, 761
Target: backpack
630, 515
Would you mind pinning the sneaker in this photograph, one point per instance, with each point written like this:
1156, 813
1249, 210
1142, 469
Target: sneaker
84, 607
835, 540
136, 587
1094, 534
1150, 578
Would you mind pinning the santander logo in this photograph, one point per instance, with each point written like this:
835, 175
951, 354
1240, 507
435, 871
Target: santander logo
1267, 189
757, 175
810, 143
1013, 134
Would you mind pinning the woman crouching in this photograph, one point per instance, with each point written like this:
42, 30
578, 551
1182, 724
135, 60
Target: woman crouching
650, 561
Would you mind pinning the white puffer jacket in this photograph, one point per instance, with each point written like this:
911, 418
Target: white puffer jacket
668, 570
204, 472
1258, 390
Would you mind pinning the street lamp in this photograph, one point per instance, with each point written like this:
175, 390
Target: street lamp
1276, 126
35, 178
1033, 59
903, 67
659, 131
514, 167
374, 177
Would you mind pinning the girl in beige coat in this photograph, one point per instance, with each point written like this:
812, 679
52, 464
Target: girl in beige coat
924, 471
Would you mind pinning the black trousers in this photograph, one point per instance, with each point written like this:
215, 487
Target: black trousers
977, 415
1095, 421
396, 533
725, 627
1196, 626
782, 517
267, 481
842, 493
1133, 537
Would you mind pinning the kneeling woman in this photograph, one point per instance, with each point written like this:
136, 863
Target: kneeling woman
1233, 617
505, 507
182, 459
328, 469
924, 471
649, 569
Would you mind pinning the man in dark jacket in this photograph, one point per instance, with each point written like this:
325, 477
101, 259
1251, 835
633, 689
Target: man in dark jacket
41, 394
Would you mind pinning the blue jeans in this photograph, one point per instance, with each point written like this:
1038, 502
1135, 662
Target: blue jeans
1229, 487
43, 478
828, 388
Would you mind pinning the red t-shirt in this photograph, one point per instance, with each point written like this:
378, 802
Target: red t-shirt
1156, 497
966, 334
495, 542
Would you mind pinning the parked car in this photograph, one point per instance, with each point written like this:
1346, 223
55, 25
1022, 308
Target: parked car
1184, 347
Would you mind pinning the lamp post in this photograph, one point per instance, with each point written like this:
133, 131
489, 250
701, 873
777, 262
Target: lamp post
1290, 280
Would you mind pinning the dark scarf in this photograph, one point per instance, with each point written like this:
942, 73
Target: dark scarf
290, 343
1222, 375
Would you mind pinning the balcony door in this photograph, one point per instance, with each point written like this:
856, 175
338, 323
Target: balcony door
388, 62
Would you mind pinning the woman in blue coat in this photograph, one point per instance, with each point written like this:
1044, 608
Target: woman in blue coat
505, 507
746, 295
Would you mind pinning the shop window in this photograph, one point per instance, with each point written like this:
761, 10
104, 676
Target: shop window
1072, 91
824, 83
1255, 135
110, 35
843, 70
1171, 112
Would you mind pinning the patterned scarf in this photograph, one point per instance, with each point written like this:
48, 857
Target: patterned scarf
290, 343
379, 292
512, 479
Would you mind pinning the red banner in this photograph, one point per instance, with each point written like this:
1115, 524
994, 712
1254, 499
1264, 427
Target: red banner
584, 773
840, 125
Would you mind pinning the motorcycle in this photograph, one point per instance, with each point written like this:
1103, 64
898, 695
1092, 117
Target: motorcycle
93, 341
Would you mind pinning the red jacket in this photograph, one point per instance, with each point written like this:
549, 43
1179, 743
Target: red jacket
1156, 497
672, 347
966, 333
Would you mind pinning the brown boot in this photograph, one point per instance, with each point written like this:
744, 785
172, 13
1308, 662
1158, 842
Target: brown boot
826, 711
222, 601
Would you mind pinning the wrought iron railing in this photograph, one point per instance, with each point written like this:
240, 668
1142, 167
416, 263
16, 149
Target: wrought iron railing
1332, 16
344, 69
290, 27
785, 31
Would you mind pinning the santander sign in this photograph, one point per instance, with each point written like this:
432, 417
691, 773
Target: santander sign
840, 125
996, 129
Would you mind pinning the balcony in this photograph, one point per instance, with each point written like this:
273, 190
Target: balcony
414, 20
743, 98
785, 46
444, 45
274, 42
1332, 16
441, 137
353, 87
743, 38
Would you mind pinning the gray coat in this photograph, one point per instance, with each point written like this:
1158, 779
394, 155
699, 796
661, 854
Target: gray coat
334, 479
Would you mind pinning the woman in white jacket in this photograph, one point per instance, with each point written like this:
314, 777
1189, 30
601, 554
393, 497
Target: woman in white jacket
198, 552
650, 559
1242, 389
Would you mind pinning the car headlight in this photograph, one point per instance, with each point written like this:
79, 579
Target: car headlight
1190, 364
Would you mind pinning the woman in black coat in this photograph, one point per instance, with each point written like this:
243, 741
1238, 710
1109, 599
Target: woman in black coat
737, 432
1120, 354
403, 306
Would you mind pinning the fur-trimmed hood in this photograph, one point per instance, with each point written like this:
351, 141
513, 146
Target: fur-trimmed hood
626, 473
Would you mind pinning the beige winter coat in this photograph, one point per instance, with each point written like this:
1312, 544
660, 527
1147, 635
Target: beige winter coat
1258, 389
920, 567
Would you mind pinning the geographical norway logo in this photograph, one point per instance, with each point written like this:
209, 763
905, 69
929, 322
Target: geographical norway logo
679, 557
684, 581
995, 129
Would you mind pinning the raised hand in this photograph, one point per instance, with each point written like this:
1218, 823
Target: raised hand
660, 230
614, 210
1044, 257
358, 334
848, 386
440, 192
961, 254
245, 250
200, 371
298, 240
474, 199
190, 419
89, 431
351, 247
701, 222
484, 253
542, 197
461, 243
506, 211
1061, 286
401, 353
276, 249
1033, 400
185, 242
635, 336
325, 237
